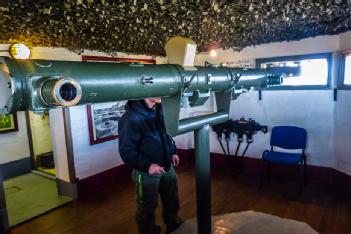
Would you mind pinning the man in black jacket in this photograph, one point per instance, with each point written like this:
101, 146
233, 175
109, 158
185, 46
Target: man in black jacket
145, 145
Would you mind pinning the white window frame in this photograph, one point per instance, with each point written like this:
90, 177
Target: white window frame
327, 56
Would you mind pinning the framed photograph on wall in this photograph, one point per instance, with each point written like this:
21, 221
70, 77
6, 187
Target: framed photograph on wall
103, 121
8, 123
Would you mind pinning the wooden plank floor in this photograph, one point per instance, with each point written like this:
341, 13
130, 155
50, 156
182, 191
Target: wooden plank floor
112, 210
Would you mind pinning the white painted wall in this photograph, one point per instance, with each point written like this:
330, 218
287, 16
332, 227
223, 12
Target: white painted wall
62, 54
14, 145
342, 126
342, 123
345, 41
320, 44
59, 144
327, 122
90, 159
310, 109
314, 110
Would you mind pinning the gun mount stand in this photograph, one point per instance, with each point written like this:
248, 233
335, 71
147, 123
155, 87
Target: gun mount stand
40, 85
201, 127
203, 179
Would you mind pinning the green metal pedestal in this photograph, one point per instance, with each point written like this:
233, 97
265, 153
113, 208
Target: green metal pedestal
203, 182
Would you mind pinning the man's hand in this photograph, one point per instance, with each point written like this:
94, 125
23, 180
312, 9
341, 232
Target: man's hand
175, 160
155, 169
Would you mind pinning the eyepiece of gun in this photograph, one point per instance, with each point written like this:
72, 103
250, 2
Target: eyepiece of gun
274, 80
61, 92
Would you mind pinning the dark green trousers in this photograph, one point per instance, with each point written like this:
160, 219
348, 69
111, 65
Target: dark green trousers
148, 187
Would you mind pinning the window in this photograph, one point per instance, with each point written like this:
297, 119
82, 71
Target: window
347, 70
300, 72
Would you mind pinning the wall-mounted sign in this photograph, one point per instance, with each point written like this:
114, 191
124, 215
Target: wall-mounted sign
243, 63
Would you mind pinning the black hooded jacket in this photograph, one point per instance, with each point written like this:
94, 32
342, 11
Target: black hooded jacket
143, 138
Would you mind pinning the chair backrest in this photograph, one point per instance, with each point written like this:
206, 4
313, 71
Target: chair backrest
289, 137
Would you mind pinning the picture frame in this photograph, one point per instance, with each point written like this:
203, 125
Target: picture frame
103, 121
8, 123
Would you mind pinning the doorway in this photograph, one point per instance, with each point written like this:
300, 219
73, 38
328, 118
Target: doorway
35, 193
39, 135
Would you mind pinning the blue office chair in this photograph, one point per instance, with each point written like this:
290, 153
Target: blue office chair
286, 137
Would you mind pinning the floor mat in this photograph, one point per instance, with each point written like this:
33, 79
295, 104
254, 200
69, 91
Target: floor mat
30, 195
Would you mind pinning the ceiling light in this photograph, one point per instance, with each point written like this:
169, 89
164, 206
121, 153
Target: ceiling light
19, 51
213, 53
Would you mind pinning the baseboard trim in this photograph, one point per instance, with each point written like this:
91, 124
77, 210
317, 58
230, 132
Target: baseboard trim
315, 174
248, 165
4, 221
68, 189
186, 156
15, 168
104, 179
120, 173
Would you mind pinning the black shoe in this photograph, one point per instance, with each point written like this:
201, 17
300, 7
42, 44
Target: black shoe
152, 230
156, 230
174, 227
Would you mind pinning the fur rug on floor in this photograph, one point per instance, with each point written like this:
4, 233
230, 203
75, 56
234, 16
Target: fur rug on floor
249, 222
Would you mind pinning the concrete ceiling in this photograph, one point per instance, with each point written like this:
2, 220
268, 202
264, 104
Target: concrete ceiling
143, 27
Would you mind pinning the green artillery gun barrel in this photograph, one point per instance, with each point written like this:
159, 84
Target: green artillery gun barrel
40, 85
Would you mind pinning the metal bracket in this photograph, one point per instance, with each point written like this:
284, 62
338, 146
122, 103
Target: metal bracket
223, 101
209, 79
175, 126
171, 112
198, 98
260, 95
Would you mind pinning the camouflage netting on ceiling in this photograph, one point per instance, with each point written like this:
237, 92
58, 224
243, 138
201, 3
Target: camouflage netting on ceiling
144, 26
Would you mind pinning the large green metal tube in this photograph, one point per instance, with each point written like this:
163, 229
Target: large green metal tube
40, 85
257, 82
